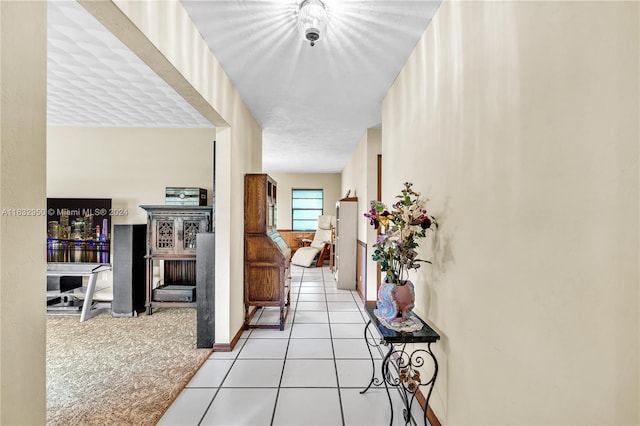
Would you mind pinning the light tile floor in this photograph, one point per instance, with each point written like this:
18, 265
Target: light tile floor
309, 374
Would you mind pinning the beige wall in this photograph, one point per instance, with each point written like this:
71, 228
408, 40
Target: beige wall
361, 176
520, 121
132, 166
164, 36
329, 182
22, 202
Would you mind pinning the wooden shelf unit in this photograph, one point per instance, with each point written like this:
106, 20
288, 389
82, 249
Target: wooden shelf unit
346, 238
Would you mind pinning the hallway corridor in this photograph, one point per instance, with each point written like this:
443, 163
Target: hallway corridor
309, 374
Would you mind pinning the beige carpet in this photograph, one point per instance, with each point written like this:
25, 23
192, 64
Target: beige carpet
119, 371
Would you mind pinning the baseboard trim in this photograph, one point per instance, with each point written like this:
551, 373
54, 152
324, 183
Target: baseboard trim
431, 416
228, 347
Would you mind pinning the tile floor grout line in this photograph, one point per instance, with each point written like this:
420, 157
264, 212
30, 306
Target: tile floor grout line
286, 352
333, 350
204, 414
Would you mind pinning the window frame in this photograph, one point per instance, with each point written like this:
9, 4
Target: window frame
294, 209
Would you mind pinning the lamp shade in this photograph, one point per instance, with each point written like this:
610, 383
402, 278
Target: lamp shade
312, 20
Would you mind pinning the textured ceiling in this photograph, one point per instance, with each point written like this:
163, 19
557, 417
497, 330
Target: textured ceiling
313, 103
94, 80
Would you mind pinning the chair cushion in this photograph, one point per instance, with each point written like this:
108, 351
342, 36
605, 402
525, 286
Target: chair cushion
324, 221
304, 256
321, 237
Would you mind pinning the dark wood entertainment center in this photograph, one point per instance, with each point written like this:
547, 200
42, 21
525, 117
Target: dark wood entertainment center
171, 240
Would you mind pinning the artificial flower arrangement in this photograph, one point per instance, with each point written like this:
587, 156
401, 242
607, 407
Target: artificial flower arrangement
401, 228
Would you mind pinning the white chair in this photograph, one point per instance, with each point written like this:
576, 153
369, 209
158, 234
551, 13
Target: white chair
305, 256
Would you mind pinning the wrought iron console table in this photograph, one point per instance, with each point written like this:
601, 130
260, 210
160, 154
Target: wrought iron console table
400, 367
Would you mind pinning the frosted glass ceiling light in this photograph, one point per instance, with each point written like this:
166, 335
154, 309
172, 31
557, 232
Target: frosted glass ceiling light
312, 20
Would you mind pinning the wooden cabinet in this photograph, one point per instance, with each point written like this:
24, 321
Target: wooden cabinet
266, 255
346, 240
171, 240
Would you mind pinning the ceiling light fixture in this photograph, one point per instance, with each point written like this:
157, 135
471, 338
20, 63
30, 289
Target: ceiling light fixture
312, 20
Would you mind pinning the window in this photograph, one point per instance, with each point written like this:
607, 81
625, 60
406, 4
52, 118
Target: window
306, 206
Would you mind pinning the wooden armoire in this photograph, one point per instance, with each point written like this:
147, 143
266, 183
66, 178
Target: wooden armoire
266, 254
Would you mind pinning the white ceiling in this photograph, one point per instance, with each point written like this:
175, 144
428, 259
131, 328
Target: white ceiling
94, 80
313, 103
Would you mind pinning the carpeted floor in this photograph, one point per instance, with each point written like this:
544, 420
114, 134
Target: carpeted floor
119, 371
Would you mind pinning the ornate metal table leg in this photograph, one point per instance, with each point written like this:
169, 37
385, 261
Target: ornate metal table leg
431, 382
411, 382
386, 375
373, 380
386, 378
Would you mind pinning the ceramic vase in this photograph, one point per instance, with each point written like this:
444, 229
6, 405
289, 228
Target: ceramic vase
395, 302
